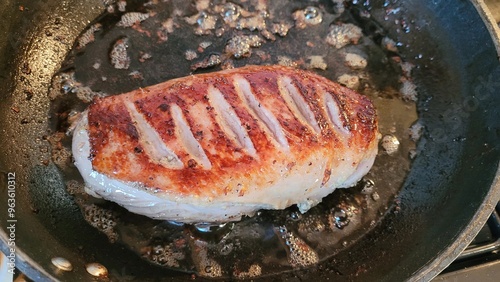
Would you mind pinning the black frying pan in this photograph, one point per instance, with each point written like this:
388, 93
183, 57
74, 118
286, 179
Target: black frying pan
446, 197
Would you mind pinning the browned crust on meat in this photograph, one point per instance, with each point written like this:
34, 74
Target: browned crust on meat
110, 123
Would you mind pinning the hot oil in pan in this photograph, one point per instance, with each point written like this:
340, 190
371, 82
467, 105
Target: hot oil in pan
136, 44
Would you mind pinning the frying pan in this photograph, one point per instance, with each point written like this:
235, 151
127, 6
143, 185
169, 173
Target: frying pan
451, 189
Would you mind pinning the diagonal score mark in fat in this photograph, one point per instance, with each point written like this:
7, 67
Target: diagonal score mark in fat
185, 135
297, 104
151, 142
259, 112
229, 122
334, 113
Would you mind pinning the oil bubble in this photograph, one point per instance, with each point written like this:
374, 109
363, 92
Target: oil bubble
62, 263
340, 218
96, 269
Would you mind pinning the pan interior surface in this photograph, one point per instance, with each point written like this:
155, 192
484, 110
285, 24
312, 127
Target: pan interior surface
447, 189
115, 54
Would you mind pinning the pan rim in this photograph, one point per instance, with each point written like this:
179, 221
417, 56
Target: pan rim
449, 254
489, 21
29, 267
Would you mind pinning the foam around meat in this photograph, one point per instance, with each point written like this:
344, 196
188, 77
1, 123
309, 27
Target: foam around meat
344, 34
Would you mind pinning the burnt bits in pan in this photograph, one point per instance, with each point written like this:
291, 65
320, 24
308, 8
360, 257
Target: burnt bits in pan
135, 44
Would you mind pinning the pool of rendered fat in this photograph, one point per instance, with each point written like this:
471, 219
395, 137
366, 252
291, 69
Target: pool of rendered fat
273, 241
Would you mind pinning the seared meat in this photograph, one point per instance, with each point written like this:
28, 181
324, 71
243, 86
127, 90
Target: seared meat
214, 147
